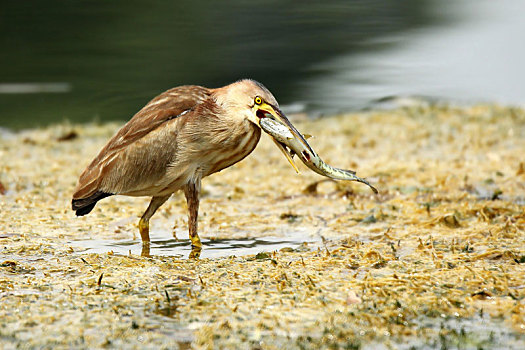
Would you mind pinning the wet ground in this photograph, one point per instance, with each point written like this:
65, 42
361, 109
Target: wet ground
212, 248
436, 260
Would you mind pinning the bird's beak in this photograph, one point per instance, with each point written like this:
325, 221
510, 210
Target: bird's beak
266, 110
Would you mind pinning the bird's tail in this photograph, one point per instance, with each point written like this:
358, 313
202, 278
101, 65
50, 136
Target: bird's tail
83, 206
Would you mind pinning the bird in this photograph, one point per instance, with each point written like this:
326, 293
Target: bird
178, 138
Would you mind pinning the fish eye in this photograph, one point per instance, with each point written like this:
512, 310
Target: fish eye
257, 100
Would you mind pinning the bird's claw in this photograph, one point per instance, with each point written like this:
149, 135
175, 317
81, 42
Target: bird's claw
145, 249
196, 247
195, 252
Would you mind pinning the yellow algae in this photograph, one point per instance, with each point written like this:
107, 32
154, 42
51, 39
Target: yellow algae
436, 259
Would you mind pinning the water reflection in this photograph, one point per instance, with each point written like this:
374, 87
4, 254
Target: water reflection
215, 248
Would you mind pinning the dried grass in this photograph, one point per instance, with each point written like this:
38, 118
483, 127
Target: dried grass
442, 241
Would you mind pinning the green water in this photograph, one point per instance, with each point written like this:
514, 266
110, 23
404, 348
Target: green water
103, 60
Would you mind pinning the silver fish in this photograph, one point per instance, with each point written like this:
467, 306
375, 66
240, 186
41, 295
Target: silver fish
298, 145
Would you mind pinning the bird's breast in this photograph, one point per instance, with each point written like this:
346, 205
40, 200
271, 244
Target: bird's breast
231, 146
207, 148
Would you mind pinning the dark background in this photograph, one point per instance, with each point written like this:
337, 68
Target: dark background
103, 60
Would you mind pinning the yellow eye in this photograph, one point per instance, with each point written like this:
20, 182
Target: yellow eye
258, 100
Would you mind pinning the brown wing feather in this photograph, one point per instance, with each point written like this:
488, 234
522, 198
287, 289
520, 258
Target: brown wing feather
161, 109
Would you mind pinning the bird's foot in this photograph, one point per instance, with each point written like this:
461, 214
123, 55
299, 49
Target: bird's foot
196, 247
145, 249
144, 234
144, 230
196, 241
195, 252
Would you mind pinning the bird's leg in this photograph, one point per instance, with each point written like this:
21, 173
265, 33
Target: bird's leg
191, 191
155, 203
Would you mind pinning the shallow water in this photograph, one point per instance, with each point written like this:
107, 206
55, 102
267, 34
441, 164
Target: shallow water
212, 248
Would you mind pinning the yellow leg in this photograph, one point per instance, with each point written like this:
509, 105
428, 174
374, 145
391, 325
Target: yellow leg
196, 242
155, 203
196, 247
145, 249
144, 234
144, 229
191, 191
195, 250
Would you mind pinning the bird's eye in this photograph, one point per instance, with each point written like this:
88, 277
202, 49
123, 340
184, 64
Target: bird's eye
257, 100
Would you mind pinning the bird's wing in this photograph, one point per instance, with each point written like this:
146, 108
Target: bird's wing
165, 107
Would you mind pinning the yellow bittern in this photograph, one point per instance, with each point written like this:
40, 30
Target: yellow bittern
183, 135
179, 137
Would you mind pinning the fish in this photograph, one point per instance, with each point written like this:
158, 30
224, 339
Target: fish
292, 145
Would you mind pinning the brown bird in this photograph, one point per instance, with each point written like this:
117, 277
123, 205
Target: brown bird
179, 137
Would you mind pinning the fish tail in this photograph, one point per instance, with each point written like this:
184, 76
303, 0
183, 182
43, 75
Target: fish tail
342, 174
367, 183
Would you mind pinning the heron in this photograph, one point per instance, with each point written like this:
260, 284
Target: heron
178, 138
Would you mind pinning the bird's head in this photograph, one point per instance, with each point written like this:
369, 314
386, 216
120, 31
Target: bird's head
253, 101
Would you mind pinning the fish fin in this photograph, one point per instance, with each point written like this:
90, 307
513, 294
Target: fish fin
288, 155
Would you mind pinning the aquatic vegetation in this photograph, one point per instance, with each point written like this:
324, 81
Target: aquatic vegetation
435, 259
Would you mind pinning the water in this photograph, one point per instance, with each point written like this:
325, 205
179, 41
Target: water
477, 56
210, 248
103, 60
